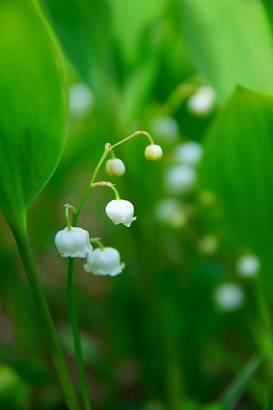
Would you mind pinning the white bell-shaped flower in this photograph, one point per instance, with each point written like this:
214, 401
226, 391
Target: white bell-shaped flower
180, 179
80, 99
120, 211
153, 152
248, 265
115, 167
104, 261
203, 101
229, 297
73, 242
188, 153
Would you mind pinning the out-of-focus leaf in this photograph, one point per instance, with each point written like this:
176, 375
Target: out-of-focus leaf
238, 387
33, 109
269, 405
14, 392
83, 28
31, 373
131, 18
137, 89
231, 43
238, 167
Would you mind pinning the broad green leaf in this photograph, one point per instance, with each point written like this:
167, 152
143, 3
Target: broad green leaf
231, 43
33, 109
238, 167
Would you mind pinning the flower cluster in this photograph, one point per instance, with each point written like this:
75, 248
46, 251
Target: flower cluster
75, 242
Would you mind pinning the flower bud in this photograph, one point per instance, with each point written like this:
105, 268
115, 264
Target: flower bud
229, 296
248, 265
104, 261
203, 101
73, 242
115, 167
120, 211
153, 152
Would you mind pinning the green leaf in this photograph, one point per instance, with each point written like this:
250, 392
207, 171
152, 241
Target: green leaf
238, 167
231, 43
83, 28
131, 19
33, 108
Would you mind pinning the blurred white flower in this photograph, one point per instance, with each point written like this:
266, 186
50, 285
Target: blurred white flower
203, 101
80, 99
73, 242
120, 211
208, 244
229, 297
153, 152
248, 265
115, 167
166, 129
170, 212
104, 261
188, 153
180, 179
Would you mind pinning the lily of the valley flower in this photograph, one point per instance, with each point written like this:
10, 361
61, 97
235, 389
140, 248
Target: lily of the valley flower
120, 211
115, 167
73, 242
104, 261
229, 297
80, 99
188, 153
166, 128
170, 212
203, 101
153, 152
180, 179
248, 265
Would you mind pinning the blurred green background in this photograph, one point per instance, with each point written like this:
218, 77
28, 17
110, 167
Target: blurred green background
163, 335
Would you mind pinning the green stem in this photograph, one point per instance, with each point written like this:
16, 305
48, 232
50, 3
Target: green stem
76, 334
24, 248
178, 96
108, 185
267, 341
97, 241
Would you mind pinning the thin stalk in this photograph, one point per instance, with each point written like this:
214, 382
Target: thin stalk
70, 268
98, 242
267, 343
108, 185
32, 274
76, 333
108, 148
